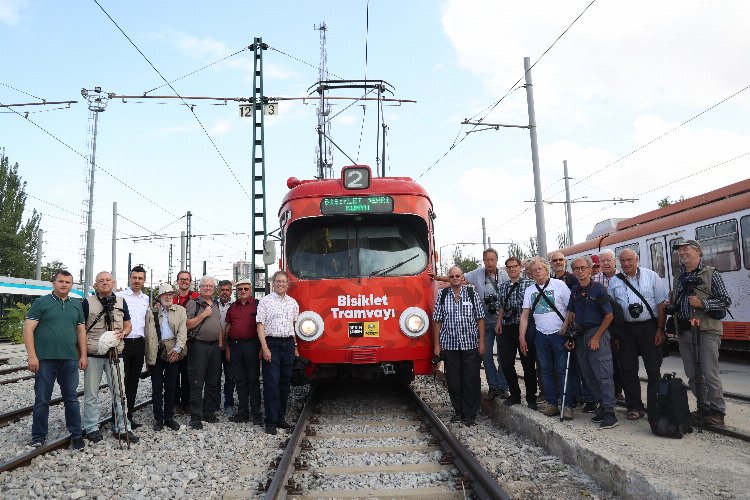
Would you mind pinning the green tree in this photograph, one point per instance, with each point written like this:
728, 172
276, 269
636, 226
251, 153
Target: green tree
11, 328
515, 250
665, 201
18, 240
50, 269
466, 264
562, 240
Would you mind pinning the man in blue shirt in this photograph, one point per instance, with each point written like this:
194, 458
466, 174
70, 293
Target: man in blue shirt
590, 310
458, 329
642, 296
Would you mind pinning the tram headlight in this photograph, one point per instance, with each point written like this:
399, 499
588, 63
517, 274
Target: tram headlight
309, 326
413, 322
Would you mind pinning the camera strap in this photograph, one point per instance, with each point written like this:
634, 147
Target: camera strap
546, 299
510, 292
645, 302
157, 324
493, 281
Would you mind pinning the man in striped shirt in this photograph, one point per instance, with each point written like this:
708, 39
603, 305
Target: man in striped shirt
458, 330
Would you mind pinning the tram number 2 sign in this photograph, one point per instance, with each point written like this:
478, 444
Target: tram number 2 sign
270, 109
356, 178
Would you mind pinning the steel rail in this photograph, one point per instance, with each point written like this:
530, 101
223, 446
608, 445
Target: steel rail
15, 379
57, 444
13, 415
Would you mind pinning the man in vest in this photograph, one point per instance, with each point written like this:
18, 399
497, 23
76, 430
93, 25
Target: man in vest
700, 293
104, 312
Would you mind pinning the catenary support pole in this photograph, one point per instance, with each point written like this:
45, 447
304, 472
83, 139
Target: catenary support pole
39, 238
541, 233
484, 235
568, 213
114, 241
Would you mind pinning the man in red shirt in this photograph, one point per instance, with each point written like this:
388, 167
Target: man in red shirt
181, 298
242, 351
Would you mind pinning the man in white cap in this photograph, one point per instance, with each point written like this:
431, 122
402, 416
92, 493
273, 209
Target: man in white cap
166, 337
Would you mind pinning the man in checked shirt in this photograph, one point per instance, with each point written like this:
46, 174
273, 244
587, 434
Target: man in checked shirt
458, 330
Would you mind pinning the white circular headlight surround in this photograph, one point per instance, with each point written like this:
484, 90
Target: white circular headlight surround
413, 322
309, 326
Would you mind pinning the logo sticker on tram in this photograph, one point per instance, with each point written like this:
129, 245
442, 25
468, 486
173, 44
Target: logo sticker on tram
372, 329
356, 329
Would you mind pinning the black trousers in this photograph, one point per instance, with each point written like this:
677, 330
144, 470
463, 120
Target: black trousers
182, 396
205, 372
246, 371
638, 340
133, 355
509, 345
163, 387
464, 383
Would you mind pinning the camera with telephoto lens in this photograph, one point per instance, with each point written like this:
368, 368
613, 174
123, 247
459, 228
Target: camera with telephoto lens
570, 336
491, 301
108, 302
635, 310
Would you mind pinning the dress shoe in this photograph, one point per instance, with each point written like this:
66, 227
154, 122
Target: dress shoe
492, 394
129, 436
456, 418
271, 430
172, 424
258, 420
93, 436
210, 418
237, 419
195, 423
158, 425
134, 425
283, 425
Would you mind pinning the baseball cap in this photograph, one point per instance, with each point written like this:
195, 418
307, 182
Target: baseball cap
688, 243
244, 282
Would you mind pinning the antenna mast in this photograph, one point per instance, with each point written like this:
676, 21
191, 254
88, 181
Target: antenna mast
323, 151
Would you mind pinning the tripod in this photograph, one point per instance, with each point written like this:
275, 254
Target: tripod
695, 340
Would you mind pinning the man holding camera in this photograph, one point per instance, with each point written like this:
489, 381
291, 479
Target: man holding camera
104, 312
458, 333
700, 294
487, 281
511, 302
589, 315
642, 296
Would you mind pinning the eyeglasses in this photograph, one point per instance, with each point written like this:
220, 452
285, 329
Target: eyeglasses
454, 276
243, 289
280, 282
580, 268
558, 260
512, 267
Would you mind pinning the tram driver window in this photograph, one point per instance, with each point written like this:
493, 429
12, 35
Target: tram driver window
745, 226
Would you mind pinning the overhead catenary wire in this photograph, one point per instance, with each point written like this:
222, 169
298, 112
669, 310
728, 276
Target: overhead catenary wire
22, 91
178, 95
301, 61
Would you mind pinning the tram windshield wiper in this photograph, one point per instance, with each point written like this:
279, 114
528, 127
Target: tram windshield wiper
395, 266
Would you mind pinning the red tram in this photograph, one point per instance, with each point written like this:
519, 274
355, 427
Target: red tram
357, 250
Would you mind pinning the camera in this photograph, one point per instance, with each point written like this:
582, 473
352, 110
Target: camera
693, 281
437, 359
108, 302
670, 309
510, 312
491, 301
635, 310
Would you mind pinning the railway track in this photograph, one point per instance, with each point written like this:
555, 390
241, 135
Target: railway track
375, 443
16, 379
14, 415
25, 459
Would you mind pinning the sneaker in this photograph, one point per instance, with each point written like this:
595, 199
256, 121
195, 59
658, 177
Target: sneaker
77, 444
492, 394
271, 430
172, 424
456, 418
512, 401
532, 405
134, 425
158, 425
93, 436
609, 421
576, 404
551, 411
283, 425
469, 421
210, 418
196, 424
597, 419
132, 438
258, 420
567, 414
37, 443
504, 393
591, 407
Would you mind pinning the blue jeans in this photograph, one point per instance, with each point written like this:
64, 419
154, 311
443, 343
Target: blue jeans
494, 374
277, 376
66, 373
552, 356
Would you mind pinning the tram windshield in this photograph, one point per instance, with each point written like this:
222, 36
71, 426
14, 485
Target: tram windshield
362, 246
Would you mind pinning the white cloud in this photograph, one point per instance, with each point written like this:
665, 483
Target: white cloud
202, 48
220, 127
10, 11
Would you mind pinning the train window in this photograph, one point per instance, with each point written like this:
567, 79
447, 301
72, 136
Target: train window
745, 226
632, 246
371, 246
720, 245
657, 259
675, 258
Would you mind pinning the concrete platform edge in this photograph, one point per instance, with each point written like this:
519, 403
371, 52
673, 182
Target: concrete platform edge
609, 475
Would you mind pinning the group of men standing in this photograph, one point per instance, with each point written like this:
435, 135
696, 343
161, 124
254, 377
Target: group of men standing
564, 323
185, 339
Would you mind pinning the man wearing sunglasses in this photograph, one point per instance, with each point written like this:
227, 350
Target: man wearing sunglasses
242, 350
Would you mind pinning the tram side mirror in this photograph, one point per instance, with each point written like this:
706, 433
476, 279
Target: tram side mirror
269, 252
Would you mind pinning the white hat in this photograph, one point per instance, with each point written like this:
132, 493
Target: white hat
164, 288
106, 342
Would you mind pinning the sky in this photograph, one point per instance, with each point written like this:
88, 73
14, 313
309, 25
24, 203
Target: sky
627, 95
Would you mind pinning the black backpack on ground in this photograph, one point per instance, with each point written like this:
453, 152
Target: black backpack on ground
671, 417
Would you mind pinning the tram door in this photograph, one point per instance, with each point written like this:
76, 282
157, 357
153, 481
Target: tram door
662, 256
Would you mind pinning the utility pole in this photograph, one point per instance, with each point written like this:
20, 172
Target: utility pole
324, 152
114, 241
130, 262
169, 269
258, 195
568, 214
484, 235
188, 237
39, 236
541, 233
182, 251
97, 103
